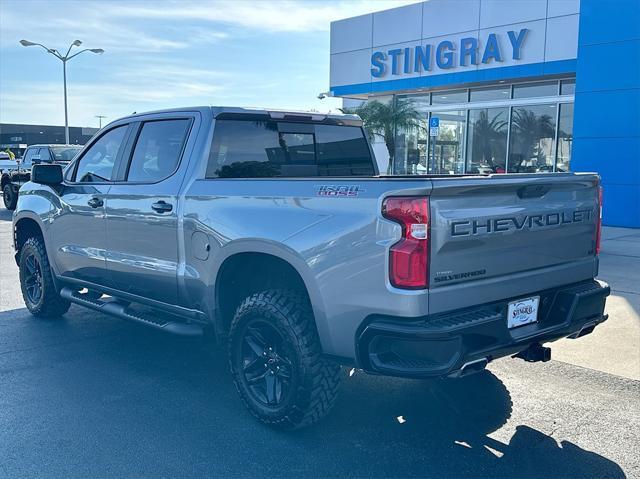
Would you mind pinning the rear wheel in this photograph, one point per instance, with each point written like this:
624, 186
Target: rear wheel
36, 281
277, 363
9, 197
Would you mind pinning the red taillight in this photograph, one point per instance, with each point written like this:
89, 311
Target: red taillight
599, 220
409, 257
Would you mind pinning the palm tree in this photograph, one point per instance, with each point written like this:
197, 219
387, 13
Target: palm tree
487, 134
530, 129
383, 119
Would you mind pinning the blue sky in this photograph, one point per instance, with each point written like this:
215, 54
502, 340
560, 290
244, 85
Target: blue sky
161, 54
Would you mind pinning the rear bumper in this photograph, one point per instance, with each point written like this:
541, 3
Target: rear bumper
439, 345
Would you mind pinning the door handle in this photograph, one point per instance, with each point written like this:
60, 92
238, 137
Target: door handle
161, 207
95, 202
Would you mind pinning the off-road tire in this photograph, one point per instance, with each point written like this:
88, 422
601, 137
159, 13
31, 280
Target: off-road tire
50, 304
314, 391
9, 197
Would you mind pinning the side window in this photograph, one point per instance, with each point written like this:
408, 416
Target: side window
343, 151
28, 156
258, 149
97, 162
245, 149
158, 150
45, 156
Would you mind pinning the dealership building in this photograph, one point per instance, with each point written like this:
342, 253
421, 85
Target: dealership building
501, 86
16, 137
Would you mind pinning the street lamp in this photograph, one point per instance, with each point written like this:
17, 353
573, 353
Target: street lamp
64, 59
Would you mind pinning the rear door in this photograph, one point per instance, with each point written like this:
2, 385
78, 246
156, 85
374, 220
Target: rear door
505, 230
142, 208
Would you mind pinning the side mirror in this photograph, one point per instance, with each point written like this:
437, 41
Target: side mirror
47, 174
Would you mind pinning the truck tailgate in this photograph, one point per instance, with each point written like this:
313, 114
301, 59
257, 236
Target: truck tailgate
500, 227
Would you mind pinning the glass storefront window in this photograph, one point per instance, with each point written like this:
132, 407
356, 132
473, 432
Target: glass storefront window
411, 151
568, 87
532, 139
448, 97
530, 90
447, 155
505, 136
488, 94
419, 102
565, 137
487, 141
411, 144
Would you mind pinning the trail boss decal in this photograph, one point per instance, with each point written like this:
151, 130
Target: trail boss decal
341, 191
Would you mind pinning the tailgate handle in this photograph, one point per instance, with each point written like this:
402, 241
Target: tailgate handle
533, 191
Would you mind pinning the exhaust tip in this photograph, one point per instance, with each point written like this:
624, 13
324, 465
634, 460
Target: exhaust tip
470, 368
586, 329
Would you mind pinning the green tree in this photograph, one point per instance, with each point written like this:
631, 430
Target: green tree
530, 129
487, 133
382, 119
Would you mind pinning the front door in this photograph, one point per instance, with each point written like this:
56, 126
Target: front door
141, 209
78, 231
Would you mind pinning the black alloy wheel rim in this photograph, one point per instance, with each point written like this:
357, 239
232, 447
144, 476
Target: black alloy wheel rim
33, 279
265, 365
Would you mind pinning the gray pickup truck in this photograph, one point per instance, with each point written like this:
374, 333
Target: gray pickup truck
275, 231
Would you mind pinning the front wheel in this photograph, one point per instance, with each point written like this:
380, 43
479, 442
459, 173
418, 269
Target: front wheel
36, 281
276, 360
10, 197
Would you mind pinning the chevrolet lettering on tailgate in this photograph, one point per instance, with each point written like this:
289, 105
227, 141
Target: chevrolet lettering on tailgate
497, 225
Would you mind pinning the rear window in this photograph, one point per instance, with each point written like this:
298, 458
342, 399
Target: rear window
64, 154
267, 149
158, 150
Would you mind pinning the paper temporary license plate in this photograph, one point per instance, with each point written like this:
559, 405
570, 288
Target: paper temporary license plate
523, 311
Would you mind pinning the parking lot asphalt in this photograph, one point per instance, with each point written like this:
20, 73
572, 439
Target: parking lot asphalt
93, 396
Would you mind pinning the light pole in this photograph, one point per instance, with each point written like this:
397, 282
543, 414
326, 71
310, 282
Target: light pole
64, 59
100, 117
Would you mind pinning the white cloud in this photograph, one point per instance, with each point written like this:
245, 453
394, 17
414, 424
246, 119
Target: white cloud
274, 16
165, 54
142, 86
109, 24
117, 100
84, 21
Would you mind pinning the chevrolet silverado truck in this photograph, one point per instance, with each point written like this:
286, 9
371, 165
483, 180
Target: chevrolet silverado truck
275, 231
13, 178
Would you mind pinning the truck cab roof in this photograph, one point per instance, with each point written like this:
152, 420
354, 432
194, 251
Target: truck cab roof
53, 145
229, 112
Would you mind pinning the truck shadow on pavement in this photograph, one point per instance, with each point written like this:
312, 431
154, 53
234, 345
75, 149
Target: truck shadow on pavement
101, 396
5, 214
444, 428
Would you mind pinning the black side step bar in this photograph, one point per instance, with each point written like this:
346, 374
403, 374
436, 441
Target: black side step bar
121, 310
